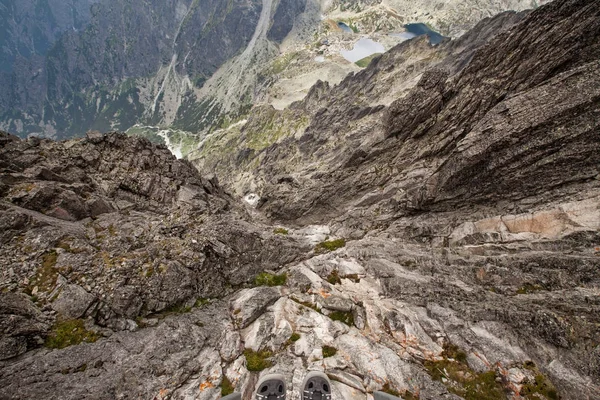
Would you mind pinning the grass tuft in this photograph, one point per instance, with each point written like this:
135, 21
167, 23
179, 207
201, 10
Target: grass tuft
461, 380
329, 245
540, 388
329, 351
334, 278
266, 279
345, 317
69, 333
226, 386
280, 231
257, 360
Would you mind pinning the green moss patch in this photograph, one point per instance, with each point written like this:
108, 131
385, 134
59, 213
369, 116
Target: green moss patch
70, 333
461, 380
529, 288
329, 351
266, 279
334, 277
46, 274
364, 62
201, 302
292, 339
345, 317
540, 387
257, 360
226, 386
280, 231
329, 245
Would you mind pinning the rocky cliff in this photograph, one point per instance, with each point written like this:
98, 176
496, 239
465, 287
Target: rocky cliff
429, 227
189, 65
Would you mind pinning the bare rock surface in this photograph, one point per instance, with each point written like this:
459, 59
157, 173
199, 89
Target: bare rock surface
440, 240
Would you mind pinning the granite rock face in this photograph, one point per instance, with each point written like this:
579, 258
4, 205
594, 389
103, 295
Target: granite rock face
437, 218
114, 228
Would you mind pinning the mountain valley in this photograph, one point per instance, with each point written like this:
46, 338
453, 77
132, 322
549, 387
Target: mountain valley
426, 223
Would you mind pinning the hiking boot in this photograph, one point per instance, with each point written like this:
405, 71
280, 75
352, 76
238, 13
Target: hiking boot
316, 386
270, 387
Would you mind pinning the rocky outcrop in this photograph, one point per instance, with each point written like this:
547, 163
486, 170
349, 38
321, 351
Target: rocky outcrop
115, 228
457, 252
471, 185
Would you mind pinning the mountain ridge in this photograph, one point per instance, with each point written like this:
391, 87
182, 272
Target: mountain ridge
429, 227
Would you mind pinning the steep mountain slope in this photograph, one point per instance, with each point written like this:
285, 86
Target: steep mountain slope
30, 28
118, 69
457, 195
152, 64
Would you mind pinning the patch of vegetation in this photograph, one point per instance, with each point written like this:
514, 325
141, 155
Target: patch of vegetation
179, 308
46, 275
201, 302
266, 279
280, 64
334, 277
345, 317
257, 360
292, 339
461, 380
329, 351
452, 351
540, 388
353, 277
69, 333
408, 395
66, 246
364, 62
307, 304
529, 288
390, 390
226, 386
280, 231
329, 245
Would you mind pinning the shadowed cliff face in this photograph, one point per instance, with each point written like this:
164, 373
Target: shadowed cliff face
126, 62
454, 194
30, 28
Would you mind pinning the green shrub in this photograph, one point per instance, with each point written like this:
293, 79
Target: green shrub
295, 337
257, 360
334, 278
329, 351
226, 387
541, 387
69, 333
329, 245
345, 317
461, 380
280, 231
266, 279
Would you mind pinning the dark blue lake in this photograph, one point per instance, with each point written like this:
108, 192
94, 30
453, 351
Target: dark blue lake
422, 29
345, 27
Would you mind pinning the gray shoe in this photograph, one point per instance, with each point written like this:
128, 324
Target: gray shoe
316, 386
384, 396
270, 387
